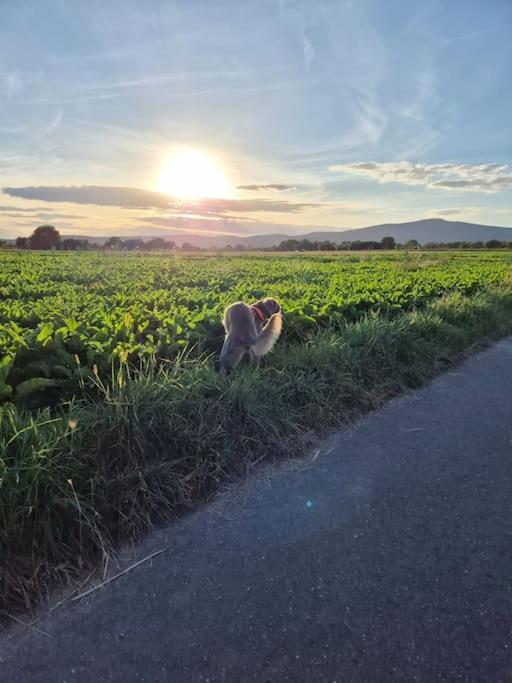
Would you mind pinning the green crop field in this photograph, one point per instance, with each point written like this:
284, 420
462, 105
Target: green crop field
61, 315
113, 416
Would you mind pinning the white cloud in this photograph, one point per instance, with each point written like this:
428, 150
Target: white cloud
466, 177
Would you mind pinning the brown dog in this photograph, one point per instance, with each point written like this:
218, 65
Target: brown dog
250, 330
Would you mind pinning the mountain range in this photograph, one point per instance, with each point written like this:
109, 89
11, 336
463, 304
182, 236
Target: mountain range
424, 231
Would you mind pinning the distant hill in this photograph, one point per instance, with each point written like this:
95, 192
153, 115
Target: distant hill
428, 230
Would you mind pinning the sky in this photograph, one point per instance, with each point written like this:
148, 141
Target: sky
253, 116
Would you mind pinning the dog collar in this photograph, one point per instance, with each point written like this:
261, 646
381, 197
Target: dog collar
258, 313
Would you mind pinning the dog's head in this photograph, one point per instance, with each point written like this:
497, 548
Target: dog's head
268, 307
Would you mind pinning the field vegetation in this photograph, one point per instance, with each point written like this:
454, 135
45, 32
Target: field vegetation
113, 417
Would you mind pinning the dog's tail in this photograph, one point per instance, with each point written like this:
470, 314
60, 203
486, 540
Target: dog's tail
268, 336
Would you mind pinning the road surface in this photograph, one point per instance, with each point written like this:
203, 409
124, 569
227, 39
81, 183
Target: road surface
385, 556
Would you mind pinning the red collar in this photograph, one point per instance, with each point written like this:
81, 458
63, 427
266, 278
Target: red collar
258, 313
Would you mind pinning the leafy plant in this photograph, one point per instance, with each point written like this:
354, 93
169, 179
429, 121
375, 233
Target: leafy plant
95, 307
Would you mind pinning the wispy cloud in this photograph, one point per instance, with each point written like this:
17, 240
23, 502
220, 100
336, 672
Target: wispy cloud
57, 120
43, 216
488, 178
181, 77
279, 187
4, 209
452, 212
467, 213
215, 89
466, 36
309, 52
201, 225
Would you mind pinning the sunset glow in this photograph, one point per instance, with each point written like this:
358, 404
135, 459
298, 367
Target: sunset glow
278, 118
191, 174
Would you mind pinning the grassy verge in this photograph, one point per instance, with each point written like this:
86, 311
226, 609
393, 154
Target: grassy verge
73, 486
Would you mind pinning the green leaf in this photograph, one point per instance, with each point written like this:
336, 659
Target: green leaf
36, 369
62, 372
31, 386
45, 334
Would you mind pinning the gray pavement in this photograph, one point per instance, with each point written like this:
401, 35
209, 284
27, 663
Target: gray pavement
385, 556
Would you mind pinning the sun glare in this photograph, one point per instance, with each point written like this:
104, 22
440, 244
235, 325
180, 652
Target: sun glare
191, 174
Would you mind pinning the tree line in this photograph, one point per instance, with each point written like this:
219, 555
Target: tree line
46, 237
387, 242
325, 245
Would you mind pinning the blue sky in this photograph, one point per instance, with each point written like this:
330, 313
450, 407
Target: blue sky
362, 112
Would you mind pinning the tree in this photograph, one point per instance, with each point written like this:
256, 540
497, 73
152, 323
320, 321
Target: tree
22, 243
326, 246
412, 244
493, 244
307, 245
133, 245
113, 243
70, 244
370, 245
288, 245
45, 237
186, 246
159, 243
388, 242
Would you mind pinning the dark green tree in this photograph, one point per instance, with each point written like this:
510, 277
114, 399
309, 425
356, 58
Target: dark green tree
493, 244
113, 243
70, 244
45, 237
22, 243
158, 243
135, 244
388, 242
412, 244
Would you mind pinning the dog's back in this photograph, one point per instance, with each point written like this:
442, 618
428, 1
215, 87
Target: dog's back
241, 333
239, 322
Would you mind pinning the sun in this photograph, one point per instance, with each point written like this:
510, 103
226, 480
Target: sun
192, 174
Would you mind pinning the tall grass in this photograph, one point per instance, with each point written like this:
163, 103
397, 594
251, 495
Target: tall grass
76, 484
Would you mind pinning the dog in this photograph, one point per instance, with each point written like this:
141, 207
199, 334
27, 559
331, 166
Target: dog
250, 331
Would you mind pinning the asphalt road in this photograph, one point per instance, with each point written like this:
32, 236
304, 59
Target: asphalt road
388, 557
